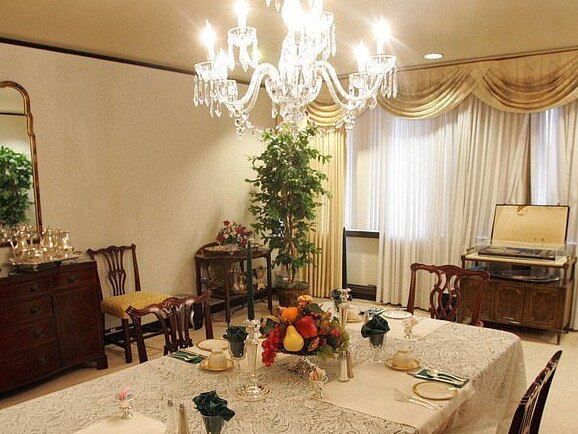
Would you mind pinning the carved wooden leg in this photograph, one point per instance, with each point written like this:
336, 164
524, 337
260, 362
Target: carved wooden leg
142, 351
208, 321
559, 335
102, 362
127, 349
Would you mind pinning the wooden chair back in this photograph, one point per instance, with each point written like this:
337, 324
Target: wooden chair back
531, 407
445, 296
175, 317
115, 269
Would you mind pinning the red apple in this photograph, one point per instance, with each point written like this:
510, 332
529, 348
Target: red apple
306, 327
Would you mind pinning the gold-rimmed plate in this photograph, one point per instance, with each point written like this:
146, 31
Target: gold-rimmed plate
207, 367
396, 314
434, 390
413, 365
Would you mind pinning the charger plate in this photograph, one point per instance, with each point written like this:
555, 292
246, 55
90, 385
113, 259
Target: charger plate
205, 365
414, 365
434, 390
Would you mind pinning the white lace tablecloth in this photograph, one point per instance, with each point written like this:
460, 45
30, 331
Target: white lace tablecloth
492, 359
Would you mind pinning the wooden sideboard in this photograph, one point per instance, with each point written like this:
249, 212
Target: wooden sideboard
544, 306
49, 320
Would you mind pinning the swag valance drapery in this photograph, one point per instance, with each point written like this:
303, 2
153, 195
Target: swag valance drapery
524, 84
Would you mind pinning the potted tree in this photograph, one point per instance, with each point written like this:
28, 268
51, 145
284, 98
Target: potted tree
284, 201
15, 183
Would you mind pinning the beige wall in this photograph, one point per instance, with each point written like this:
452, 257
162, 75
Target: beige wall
124, 156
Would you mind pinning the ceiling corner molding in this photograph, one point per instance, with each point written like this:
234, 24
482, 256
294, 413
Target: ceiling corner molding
93, 55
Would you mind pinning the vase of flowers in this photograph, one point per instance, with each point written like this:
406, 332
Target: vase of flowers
303, 330
233, 234
124, 398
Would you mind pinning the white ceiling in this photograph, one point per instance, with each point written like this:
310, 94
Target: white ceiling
166, 32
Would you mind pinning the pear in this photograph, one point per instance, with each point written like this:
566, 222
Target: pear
293, 340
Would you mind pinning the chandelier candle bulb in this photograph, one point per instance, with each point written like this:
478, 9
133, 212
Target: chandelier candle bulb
209, 38
241, 9
362, 55
382, 35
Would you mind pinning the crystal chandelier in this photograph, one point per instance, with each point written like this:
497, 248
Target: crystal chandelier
302, 68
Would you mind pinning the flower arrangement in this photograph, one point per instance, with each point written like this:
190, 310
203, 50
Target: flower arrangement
233, 233
305, 330
124, 395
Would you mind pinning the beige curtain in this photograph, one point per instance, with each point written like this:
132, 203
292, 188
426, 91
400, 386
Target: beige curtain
325, 273
524, 84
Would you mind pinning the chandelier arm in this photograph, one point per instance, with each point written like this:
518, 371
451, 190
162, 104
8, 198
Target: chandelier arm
332, 80
248, 101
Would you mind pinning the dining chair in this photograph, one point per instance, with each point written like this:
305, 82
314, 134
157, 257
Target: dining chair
445, 296
116, 305
175, 317
528, 415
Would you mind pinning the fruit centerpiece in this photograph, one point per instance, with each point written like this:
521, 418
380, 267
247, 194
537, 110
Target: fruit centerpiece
305, 330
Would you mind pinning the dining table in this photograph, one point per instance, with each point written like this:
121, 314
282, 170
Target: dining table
492, 360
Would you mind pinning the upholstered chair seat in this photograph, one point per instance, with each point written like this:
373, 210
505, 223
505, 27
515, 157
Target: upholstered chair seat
118, 304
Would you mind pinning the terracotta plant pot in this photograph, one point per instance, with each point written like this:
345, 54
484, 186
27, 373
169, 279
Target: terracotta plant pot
289, 292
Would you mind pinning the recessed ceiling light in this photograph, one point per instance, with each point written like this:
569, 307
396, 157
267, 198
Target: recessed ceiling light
433, 56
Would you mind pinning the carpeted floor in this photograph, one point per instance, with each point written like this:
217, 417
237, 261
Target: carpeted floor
560, 415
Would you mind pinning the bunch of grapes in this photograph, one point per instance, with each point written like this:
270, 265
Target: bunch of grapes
270, 346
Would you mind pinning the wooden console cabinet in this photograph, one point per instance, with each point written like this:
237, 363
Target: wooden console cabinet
49, 320
544, 306
223, 263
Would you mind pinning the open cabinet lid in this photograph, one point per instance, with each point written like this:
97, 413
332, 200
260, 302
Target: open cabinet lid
530, 225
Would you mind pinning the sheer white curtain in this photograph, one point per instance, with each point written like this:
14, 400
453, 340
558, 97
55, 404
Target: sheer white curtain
429, 186
554, 166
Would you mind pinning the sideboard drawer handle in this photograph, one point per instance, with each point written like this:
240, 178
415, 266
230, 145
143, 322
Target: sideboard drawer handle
42, 360
34, 288
38, 334
35, 310
72, 279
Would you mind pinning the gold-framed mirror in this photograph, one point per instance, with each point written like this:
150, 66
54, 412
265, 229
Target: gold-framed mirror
18, 162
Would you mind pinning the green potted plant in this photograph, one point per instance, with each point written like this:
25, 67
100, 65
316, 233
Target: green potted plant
284, 199
15, 183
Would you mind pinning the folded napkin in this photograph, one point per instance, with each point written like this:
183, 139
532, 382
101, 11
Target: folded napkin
235, 334
375, 326
187, 357
442, 377
336, 296
209, 404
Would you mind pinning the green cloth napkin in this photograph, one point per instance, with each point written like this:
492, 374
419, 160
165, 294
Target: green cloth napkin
336, 296
187, 357
209, 404
236, 334
375, 326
